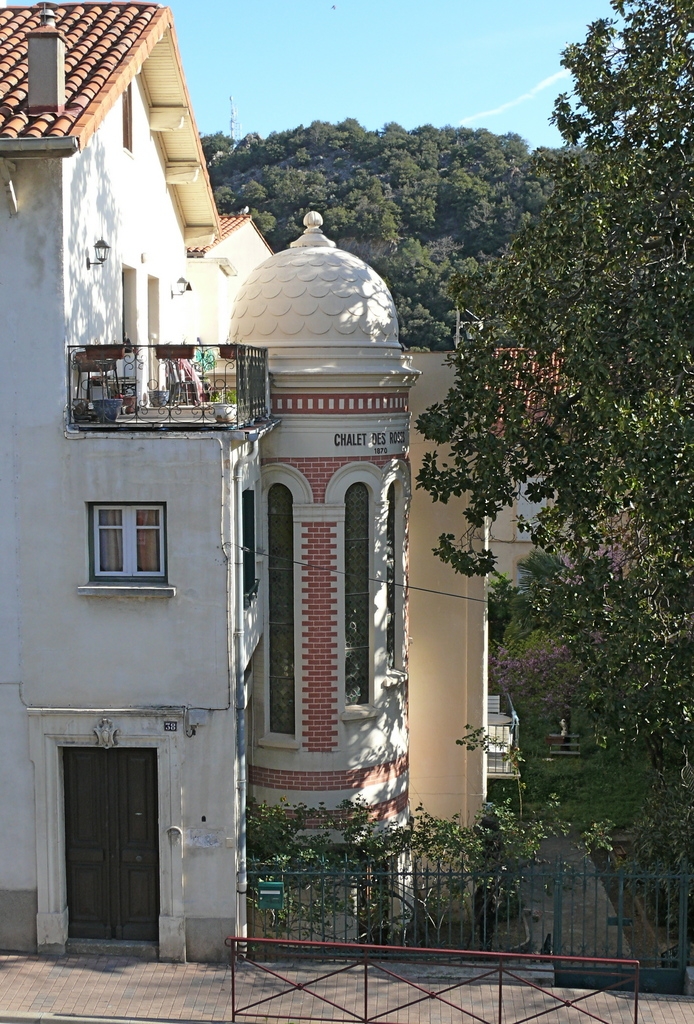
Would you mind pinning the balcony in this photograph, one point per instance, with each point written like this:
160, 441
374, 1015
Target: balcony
503, 729
167, 387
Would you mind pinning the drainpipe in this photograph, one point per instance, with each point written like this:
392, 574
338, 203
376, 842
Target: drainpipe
240, 700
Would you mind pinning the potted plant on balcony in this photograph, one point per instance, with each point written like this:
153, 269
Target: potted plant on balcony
224, 405
224, 412
175, 351
158, 399
102, 352
107, 409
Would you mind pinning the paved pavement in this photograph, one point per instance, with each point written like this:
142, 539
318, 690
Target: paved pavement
56, 990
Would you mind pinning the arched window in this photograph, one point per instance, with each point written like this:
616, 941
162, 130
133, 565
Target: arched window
357, 595
390, 578
281, 610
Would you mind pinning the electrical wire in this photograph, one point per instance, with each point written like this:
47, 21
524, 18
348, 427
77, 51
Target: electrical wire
372, 579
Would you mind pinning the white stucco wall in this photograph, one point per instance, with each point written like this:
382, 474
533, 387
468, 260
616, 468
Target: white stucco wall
31, 385
122, 197
216, 278
125, 656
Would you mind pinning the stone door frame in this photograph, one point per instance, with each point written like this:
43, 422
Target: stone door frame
53, 728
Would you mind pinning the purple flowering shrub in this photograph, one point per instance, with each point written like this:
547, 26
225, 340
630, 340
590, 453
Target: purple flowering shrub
538, 674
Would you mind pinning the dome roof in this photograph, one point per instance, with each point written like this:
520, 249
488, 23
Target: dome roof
314, 294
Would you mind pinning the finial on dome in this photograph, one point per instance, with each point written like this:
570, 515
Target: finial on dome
313, 219
313, 234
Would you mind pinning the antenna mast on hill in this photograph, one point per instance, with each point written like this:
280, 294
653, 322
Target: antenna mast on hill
234, 124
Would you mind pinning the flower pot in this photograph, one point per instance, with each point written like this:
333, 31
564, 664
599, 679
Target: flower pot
107, 409
228, 351
88, 362
129, 404
175, 351
224, 413
158, 399
104, 351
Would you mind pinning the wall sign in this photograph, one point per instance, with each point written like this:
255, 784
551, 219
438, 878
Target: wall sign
380, 442
170, 726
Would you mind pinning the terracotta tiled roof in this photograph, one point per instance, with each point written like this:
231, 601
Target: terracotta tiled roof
228, 225
106, 44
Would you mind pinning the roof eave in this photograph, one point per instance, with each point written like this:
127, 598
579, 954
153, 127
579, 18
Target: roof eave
121, 78
198, 142
60, 146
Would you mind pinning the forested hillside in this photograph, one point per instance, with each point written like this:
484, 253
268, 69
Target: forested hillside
413, 204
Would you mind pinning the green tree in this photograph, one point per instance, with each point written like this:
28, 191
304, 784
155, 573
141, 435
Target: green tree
415, 204
578, 377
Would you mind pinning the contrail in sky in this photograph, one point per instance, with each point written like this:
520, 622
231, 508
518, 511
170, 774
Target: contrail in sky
544, 84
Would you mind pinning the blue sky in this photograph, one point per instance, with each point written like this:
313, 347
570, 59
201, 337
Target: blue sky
486, 63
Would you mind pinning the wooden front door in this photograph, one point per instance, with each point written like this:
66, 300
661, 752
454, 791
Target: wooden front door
111, 842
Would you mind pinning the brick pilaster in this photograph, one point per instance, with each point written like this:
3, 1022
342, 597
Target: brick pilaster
319, 636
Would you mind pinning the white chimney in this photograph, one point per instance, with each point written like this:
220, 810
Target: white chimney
46, 65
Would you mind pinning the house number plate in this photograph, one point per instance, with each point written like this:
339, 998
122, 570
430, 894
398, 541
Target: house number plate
170, 726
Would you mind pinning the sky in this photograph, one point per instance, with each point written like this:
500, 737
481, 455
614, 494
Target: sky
484, 63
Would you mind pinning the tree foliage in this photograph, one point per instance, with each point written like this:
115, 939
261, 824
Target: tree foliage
664, 834
578, 376
300, 835
416, 205
535, 668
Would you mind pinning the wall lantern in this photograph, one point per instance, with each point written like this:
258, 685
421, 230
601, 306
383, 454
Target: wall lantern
180, 287
101, 251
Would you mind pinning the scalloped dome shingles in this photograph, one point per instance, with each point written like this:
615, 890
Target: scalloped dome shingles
314, 293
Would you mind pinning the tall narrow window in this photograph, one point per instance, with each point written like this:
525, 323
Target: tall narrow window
357, 597
129, 278
281, 608
250, 587
390, 578
128, 118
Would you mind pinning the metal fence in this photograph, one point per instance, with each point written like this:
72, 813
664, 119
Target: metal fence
187, 387
559, 909
354, 982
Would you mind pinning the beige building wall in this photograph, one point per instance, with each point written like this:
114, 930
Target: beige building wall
508, 543
447, 656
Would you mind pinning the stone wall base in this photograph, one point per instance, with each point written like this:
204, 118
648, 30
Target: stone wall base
18, 920
205, 939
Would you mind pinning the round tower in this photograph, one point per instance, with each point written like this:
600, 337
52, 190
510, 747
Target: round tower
329, 711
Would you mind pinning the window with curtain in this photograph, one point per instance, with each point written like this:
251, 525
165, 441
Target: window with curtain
357, 595
128, 541
281, 608
390, 578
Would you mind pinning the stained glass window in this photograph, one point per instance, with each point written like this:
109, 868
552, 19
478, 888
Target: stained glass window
281, 602
390, 578
357, 596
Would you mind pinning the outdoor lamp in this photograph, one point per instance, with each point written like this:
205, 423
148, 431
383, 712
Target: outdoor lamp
180, 287
101, 251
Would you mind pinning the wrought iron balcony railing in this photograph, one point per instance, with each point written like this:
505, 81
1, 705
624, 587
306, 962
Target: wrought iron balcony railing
175, 387
503, 736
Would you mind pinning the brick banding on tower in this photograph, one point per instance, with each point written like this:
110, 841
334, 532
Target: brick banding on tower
315, 782
320, 470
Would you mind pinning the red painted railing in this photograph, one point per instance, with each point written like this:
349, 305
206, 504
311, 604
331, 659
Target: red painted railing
265, 972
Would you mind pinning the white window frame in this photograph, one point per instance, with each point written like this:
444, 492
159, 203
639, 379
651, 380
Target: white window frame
130, 528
